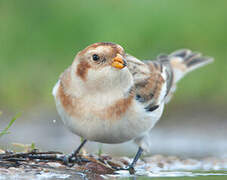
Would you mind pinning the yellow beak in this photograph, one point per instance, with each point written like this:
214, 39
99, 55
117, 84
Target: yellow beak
118, 62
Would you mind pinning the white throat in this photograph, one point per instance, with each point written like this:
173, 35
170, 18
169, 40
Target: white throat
104, 81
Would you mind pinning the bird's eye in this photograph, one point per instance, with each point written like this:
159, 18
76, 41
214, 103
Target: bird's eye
95, 57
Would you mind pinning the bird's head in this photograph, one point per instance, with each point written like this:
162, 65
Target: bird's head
101, 67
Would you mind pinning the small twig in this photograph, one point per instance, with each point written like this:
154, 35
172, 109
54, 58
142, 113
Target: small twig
10, 155
50, 156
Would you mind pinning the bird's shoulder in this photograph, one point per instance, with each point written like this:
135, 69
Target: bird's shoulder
151, 80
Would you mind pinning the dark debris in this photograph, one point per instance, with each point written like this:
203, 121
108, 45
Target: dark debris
54, 161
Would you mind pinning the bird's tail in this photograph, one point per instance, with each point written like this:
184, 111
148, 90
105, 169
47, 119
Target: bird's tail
179, 63
184, 61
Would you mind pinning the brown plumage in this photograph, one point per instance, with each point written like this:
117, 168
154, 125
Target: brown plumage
82, 69
120, 107
69, 103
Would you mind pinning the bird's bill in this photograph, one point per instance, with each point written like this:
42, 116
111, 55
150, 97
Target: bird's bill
118, 62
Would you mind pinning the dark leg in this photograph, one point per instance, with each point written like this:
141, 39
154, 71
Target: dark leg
70, 157
78, 149
130, 168
136, 158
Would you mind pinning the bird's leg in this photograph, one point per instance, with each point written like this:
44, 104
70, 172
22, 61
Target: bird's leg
68, 159
136, 158
130, 168
78, 149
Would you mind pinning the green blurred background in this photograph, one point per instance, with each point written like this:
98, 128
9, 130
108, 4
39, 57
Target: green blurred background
39, 39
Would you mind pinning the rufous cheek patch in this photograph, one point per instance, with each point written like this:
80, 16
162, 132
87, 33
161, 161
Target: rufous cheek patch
82, 69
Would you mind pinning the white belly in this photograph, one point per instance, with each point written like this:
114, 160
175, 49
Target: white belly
133, 123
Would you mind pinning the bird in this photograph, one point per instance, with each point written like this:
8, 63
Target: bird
109, 96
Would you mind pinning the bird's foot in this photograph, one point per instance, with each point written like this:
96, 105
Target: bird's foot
70, 160
67, 160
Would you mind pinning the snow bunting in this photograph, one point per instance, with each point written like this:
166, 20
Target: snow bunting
109, 96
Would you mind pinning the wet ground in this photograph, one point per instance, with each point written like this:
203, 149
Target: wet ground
157, 166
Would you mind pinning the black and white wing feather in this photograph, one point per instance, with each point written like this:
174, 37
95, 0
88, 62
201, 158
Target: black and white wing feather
155, 81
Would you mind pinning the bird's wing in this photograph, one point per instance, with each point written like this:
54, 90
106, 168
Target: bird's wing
155, 81
152, 80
